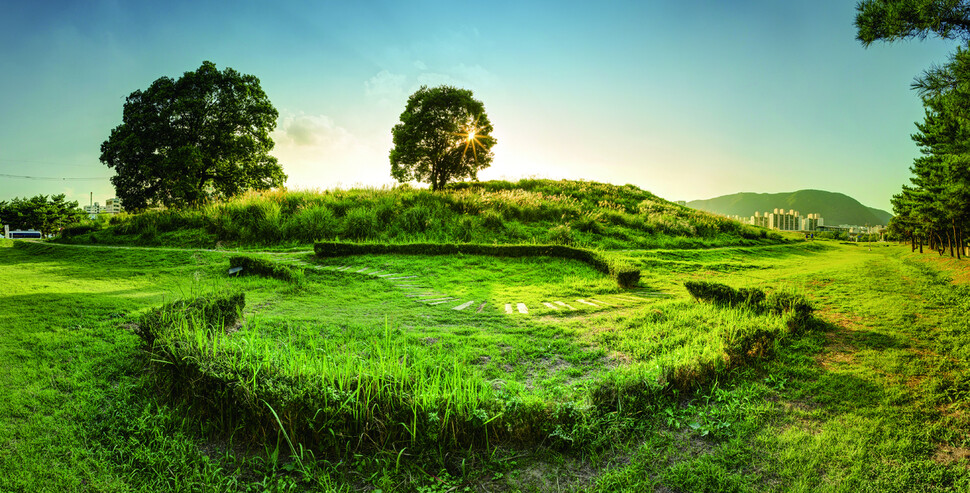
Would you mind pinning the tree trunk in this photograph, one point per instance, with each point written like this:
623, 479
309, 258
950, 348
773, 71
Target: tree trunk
920, 244
912, 243
958, 239
950, 241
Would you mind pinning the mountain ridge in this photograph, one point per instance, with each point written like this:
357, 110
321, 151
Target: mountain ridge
834, 207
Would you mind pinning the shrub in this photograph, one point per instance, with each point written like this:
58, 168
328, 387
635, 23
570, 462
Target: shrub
266, 268
80, 229
210, 311
492, 220
719, 294
588, 223
466, 229
561, 235
360, 223
311, 224
416, 219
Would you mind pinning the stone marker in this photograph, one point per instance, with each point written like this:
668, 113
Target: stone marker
464, 305
550, 305
508, 308
522, 308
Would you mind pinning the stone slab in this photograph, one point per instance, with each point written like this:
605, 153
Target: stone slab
522, 308
565, 305
464, 305
550, 305
508, 308
587, 303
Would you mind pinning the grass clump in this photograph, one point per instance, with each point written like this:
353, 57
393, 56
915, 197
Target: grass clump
266, 268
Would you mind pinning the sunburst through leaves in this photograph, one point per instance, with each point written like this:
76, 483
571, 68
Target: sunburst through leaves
472, 137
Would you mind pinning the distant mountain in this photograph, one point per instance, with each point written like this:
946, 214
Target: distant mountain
835, 208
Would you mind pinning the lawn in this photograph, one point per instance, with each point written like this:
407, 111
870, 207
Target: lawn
571, 395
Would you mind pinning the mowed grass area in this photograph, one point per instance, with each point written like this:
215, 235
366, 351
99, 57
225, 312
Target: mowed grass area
875, 398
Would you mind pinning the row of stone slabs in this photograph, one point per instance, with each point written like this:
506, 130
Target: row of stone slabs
404, 281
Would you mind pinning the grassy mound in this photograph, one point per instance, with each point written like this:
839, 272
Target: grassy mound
572, 213
388, 390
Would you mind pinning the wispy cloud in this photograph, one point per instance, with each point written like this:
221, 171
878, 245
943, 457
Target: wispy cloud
316, 152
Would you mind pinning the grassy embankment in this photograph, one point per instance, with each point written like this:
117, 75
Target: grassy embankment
578, 213
875, 399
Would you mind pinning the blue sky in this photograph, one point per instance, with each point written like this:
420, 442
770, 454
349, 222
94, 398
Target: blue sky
687, 99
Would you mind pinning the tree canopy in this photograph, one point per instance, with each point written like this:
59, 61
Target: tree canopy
183, 142
891, 20
936, 208
444, 135
43, 213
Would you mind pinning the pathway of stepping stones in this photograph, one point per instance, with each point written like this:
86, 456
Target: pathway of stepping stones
413, 288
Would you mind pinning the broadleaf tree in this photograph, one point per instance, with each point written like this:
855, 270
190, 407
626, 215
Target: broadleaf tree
45, 214
444, 135
184, 142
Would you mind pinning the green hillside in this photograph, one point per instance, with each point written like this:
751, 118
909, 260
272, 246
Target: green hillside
835, 208
576, 213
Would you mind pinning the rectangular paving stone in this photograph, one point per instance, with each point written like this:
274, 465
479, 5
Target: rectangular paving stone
600, 302
522, 308
443, 301
435, 298
550, 305
362, 270
400, 278
565, 305
508, 308
587, 303
464, 305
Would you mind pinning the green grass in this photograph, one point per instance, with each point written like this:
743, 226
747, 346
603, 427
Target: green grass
639, 396
575, 213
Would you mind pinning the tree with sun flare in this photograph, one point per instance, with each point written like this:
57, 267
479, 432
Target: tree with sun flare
444, 135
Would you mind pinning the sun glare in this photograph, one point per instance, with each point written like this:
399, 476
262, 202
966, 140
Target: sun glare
471, 135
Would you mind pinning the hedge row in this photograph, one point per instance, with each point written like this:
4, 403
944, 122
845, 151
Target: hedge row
208, 311
625, 275
266, 268
776, 302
